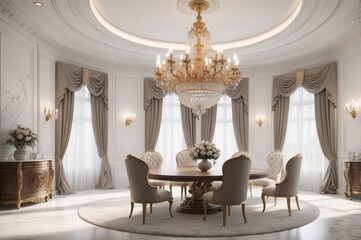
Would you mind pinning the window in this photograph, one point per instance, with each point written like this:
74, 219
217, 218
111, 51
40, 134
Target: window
224, 137
171, 138
301, 137
81, 161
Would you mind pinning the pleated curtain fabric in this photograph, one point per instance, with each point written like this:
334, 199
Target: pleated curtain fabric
153, 106
69, 79
322, 82
240, 116
209, 124
188, 125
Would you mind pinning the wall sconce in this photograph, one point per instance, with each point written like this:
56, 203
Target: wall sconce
260, 120
49, 112
130, 119
351, 109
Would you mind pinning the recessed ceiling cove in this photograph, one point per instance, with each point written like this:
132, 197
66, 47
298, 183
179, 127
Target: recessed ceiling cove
164, 24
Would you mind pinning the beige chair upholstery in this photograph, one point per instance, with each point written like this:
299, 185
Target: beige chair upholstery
217, 184
184, 159
244, 153
155, 160
233, 190
140, 189
275, 166
289, 186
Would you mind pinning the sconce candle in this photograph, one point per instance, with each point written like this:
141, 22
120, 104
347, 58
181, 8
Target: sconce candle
49, 112
130, 119
351, 109
260, 120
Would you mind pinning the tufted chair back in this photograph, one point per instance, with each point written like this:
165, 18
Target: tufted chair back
244, 153
153, 158
275, 165
184, 159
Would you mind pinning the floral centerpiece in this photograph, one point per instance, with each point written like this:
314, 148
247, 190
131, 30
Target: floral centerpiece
205, 150
22, 137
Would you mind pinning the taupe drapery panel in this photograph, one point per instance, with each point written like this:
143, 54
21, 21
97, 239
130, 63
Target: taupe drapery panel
69, 79
153, 105
240, 118
209, 123
188, 125
322, 82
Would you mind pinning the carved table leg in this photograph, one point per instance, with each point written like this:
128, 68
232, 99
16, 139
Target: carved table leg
51, 176
346, 173
194, 204
19, 180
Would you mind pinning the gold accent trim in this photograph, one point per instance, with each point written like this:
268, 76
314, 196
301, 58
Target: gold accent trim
51, 176
19, 174
86, 76
346, 173
299, 75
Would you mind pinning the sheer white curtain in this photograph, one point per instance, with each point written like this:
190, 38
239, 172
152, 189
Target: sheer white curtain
224, 137
81, 161
171, 139
301, 137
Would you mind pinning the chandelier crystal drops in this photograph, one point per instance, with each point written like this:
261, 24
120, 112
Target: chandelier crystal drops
202, 75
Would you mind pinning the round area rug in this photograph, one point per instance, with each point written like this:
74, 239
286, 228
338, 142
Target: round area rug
114, 214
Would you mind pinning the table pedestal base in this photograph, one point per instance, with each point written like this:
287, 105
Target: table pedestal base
196, 207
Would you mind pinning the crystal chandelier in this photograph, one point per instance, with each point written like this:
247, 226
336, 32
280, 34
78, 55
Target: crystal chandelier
202, 75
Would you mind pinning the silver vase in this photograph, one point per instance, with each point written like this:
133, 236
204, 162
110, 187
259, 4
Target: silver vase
204, 165
21, 153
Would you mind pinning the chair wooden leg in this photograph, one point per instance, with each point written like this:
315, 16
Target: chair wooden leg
204, 210
182, 192
298, 206
151, 208
275, 201
250, 190
289, 205
224, 214
170, 207
229, 210
144, 212
244, 212
131, 209
263, 196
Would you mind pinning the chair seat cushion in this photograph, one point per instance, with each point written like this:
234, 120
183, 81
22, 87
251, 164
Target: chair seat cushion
158, 183
269, 190
181, 183
264, 182
208, 196
164, 195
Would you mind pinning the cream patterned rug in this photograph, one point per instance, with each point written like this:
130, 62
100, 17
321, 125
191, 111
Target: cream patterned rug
113, 214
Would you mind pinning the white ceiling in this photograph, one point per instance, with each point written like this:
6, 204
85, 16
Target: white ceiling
70, 26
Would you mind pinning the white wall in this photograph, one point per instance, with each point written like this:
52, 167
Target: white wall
28, 82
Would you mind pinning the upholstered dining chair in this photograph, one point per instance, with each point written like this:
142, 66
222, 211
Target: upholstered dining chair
244, 153
233, 190
288, 187
155, 160
184, 159
217, 184
140, 189
275, 166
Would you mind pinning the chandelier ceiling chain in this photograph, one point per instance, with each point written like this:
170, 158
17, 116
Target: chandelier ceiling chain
203, 74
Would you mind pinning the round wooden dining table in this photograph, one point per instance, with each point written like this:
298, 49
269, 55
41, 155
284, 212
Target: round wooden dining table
201, 183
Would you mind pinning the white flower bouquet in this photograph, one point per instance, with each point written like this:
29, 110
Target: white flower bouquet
22, 137
205, 150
